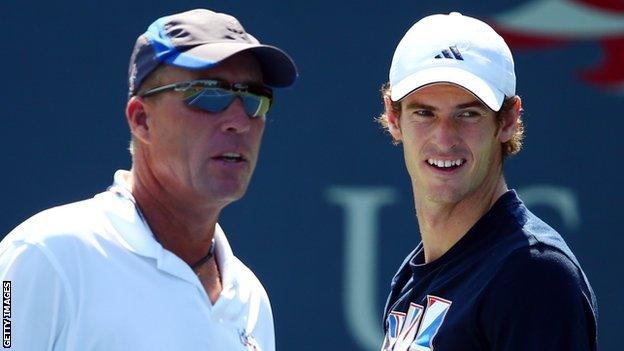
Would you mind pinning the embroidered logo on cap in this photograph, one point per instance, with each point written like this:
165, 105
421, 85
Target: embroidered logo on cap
451, 53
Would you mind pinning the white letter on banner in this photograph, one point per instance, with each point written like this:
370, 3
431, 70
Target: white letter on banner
361, 207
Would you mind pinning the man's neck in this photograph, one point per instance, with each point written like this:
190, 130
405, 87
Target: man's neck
443, 225
186, 229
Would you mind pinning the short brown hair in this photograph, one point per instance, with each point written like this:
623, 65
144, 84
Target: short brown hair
510, 147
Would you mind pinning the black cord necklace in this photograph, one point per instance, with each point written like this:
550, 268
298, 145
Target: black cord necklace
205, 259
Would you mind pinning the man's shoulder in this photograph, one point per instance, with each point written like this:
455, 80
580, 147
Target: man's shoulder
520, 229
58, 225
543, 240
529, 252
534, 243
541, 264
540, 279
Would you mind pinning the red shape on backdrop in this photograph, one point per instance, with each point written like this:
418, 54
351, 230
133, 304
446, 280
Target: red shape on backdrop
607, 5
610, 71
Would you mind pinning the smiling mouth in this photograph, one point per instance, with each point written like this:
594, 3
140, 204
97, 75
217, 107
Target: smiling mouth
446, 165
230, 157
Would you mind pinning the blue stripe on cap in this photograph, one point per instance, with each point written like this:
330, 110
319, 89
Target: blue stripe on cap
163, 47
188, 61
165, 51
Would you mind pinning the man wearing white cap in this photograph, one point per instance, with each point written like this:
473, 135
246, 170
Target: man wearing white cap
144, 265
488, 274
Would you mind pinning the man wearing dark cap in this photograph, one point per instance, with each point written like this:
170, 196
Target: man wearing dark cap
145, 265
488, 274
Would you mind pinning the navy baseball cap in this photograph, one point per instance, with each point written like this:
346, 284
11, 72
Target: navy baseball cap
200, 39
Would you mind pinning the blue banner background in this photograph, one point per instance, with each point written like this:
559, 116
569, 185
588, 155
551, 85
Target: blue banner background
64, 134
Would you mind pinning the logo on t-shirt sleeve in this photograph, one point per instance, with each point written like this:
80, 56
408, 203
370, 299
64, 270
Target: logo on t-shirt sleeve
415, 330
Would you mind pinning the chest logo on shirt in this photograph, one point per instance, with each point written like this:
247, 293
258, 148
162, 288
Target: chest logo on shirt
415, 330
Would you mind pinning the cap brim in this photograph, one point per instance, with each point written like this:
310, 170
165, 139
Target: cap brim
278, 68
490, 96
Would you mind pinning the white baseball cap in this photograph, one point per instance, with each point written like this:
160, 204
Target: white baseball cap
456, 49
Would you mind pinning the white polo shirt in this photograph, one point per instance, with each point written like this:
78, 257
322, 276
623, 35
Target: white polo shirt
90, 276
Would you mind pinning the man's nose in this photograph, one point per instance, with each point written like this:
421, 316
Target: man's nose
446, 134
235, 118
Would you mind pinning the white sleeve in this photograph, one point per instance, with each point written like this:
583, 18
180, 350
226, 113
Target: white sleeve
39, 298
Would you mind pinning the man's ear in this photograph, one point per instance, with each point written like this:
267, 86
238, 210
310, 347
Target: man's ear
394, 126
510, 122
137, 118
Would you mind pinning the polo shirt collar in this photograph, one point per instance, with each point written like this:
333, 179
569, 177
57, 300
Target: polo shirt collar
128, 222
225, 258
132, 228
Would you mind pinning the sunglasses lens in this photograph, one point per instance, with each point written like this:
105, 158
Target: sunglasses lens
217, 100
256, 105
211, 100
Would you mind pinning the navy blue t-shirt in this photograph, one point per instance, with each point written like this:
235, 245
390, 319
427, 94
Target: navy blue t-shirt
510, 283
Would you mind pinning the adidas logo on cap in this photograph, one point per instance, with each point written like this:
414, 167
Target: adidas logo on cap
447, 54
